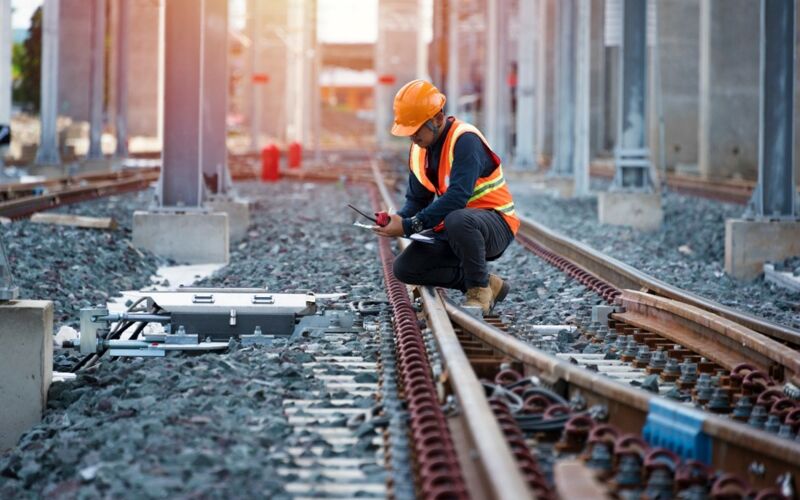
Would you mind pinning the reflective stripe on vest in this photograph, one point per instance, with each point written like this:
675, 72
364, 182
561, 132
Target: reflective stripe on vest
490, 192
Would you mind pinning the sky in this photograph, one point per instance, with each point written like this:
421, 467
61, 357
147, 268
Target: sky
340, 21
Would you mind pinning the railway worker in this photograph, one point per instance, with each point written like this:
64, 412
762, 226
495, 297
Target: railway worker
456, 189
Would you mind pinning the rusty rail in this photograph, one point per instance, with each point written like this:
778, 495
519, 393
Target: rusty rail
624, 276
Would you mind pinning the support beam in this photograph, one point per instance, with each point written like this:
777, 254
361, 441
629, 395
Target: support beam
97, 80
632, 156
545, 74
772, 232
5, 73
496, 97
256, 82
563, 160
583, 76
453, 41
123, 56
524, 154
47, 154
215, 95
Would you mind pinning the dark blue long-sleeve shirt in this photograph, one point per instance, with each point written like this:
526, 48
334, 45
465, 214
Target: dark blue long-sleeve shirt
471, 161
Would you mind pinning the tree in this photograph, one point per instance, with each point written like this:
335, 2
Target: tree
28, 60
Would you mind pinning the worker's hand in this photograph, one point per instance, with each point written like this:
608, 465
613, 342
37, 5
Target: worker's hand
393, 229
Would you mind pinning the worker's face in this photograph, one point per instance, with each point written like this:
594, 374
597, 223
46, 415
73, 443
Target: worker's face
425, 135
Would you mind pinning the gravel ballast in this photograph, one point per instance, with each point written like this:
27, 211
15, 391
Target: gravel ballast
688, 251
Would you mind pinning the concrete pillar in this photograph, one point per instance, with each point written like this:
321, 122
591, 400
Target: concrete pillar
122, 37
775, 232
215, 96
494, 112
143, 76
453, 67
5, 75
524, 155
97, 79
563, 159
256, 84
272, 22
26, 365
545, 79
395, 58
598, 78
583, 74
728, 115
679, 58
47, 154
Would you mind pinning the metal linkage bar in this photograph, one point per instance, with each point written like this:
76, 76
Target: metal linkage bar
775, 195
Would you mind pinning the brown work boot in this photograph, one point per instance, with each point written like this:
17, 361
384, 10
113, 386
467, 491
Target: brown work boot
479, 297
499, 287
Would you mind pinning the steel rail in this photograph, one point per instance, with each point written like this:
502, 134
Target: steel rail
736, 447
624, 276
18, 189
496, 459
28, 205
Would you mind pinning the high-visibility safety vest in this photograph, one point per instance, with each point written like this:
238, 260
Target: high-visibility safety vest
490, 192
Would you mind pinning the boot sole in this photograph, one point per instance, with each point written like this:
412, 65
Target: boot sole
503, 292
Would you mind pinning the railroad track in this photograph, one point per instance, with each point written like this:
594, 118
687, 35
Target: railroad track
580, 411
24, 199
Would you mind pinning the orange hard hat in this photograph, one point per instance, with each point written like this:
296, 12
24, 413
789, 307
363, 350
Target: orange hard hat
415, 103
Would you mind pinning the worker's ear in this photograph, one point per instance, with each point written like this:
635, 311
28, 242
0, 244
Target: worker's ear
439, 119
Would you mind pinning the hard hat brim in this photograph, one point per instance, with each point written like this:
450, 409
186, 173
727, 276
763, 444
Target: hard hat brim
404, 130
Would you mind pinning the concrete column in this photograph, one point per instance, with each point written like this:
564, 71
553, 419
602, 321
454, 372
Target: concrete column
47, 154
598, 79
494, 78
395, 58
98, 78
679, 47
272, 19
255, 84
524, 155
775, 232
728, 115
563, 159
453, 69
5, 74
8, 290
583, 76
122, 70
545, 74
26, 366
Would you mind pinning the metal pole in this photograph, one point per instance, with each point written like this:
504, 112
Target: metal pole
565, 89
123, 56
775, 196
526, 96
453, 39
97, 82
491, 99
582, 99
183, 92
256, 37
632, 154
47, 154
544, 68
215, 93
5, 75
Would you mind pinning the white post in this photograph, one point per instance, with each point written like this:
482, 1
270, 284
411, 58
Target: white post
5, 72
583, 70
47, 153
123, 36
453, 39
526, 96
97, 81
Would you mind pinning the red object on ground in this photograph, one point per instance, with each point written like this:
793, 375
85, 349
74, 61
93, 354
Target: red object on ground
387, 79
270, 159
260, 78
295, 155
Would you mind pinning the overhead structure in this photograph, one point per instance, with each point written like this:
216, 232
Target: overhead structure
122, 49
47, 154
524, 152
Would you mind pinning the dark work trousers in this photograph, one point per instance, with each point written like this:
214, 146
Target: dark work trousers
457, 259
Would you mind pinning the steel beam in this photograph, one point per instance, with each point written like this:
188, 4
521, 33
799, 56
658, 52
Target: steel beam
632, 156
497, 105
254, 16
47, 154
563, 160
123, 56
524, 154
215, 95
775, 195
453, 41
191, 98
583, 79
97, 80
